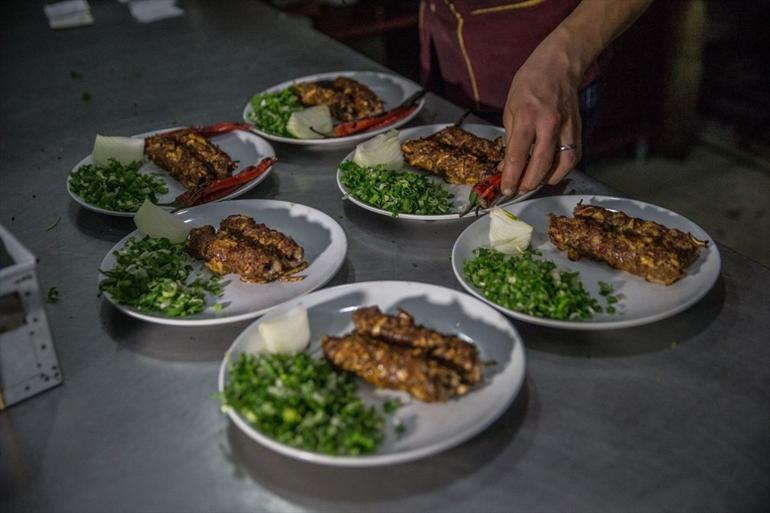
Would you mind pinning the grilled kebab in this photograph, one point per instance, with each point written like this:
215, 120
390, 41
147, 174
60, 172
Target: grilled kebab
456, 155
655, 252
347, 99
189, 157
391, 351
255, 252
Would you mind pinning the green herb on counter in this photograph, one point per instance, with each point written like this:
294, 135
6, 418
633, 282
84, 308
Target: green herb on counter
529, 285
398, 192
53, 295
154, 275
303, 402
116, 186
271, 111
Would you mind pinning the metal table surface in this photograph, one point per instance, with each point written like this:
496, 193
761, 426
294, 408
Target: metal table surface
671, 416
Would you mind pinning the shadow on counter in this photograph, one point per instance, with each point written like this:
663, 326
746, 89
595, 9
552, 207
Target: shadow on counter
307, 483
658, 336
173, 343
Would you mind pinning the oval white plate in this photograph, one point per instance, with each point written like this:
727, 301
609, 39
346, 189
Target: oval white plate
322, 238
246, 148
641, 303
391, 89
461, 192
430, 428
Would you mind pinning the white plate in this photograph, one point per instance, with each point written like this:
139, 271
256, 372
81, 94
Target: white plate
322, 238
461, 192
246, 148
641, 303
430, 428
391, 89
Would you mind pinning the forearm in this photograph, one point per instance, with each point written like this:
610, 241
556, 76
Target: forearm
586, 32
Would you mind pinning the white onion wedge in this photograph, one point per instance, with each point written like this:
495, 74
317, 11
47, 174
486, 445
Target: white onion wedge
312, 123
384, 149
507, 233
152, 220
123, 149
286, 333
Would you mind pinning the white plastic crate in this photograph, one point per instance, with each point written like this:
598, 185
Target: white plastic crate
28, 363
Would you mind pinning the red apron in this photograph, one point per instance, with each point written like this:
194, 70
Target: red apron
471, 49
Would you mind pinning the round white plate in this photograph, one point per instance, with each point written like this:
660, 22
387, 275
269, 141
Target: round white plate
246, 148
391, 89
322, 238
641, 302
430, 427
461, 192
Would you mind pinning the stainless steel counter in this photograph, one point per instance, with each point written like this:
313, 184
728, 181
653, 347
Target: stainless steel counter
672, 416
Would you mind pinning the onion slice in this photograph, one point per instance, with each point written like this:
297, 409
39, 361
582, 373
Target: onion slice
155, 222
384, 149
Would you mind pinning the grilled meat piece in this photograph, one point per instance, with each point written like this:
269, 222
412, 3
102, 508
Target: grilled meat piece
452, 164
252, 251
188, 157
178, 160
396, 367
365, 102
311, 94
686, 246
400, 329
584, 238
246, 228
217, 160
347, 99
483, 149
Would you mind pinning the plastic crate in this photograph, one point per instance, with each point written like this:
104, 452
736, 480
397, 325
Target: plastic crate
28, 363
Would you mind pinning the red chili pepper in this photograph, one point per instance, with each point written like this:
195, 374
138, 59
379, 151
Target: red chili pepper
485, 191
217, 189
360, 125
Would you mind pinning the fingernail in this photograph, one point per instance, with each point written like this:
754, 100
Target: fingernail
500, 166
507, 192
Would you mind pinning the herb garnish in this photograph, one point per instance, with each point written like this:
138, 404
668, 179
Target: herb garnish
271, 111
154, 275
303, 402
530, 286
398, 192
116, 186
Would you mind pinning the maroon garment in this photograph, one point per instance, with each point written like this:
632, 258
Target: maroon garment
471, 49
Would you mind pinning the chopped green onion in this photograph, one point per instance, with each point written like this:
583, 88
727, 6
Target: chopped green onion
271, 111
303, 402
154, 275
116, 186
398, 192
529, 285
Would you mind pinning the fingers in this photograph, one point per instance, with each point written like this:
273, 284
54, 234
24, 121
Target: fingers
520, 137
566, 160
543, 153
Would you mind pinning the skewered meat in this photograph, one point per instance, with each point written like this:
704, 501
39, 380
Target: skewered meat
393, 352
188, 157
253, 251
644, 248
395, 367
452, 164
346, 98
483, 149
401, 329
365, 102
684, 244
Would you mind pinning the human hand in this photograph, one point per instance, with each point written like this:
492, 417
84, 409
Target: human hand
541, 113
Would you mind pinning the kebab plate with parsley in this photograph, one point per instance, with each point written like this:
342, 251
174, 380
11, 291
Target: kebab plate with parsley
220, 262
341, 106
432, 172
498, 260
177, 168
334, 382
